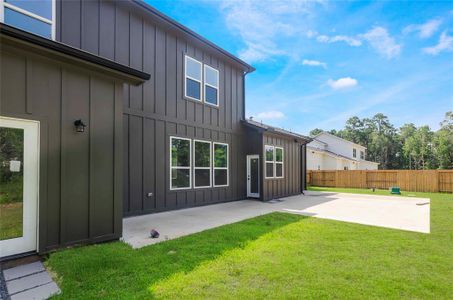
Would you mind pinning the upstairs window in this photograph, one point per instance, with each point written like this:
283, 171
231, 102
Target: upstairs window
193, 78
201, 82
354, 153
37, 16
362, 155
202, 164
211, 85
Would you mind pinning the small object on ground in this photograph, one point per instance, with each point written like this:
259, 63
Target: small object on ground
423, 203
154, 234
275, 201
395, 190
374, 189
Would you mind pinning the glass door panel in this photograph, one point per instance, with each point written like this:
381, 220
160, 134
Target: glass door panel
11, 182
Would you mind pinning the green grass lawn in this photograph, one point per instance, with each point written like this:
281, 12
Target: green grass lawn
273, 256
11, 220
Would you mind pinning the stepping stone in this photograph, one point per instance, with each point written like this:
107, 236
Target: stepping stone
28, 282
23, 270
38, 293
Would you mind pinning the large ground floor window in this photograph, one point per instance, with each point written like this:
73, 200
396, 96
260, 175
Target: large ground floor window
198, 164
180, 163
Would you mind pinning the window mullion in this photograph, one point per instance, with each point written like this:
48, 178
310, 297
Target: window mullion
2, 11
27, 13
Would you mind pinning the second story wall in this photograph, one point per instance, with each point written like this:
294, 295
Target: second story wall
340, 146
126, 33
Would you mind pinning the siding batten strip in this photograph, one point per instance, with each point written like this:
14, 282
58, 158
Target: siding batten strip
62, 162
91, 201
28, 83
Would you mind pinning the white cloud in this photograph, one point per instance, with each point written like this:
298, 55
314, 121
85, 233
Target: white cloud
425, 30
342, 83
263, 24
314, 63
270, 115
445, 44
382, 42
351, 41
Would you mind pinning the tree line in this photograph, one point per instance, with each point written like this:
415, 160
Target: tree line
408, 147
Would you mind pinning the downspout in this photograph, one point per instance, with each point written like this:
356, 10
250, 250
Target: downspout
243, 94
303, 167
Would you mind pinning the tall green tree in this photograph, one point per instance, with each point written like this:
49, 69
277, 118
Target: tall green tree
408, 147
315, 132
443, 143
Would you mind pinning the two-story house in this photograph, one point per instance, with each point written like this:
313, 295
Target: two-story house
329, 152
111, 109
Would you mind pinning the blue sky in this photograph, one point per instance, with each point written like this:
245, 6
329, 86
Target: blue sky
320, 62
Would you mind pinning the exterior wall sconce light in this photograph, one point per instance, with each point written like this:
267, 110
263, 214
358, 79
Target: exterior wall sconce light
79, 125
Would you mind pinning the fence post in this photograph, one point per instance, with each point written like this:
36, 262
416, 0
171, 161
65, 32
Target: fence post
437, 184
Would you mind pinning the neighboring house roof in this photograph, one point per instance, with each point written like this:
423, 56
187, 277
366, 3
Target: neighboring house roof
67, 52
339, 138
339, 155
316, 140
264, 127
149, 9
330, 152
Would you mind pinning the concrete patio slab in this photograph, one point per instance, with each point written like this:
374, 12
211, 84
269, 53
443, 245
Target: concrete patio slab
385, 211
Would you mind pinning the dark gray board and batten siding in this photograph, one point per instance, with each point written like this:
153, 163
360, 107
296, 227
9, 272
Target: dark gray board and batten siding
80, 173
156, 110
291, 183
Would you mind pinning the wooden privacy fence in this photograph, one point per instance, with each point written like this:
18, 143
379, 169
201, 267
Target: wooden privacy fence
407, 180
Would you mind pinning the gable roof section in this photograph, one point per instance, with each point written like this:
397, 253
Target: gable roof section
338, 138
276, 130
339, 155
318, 141
178, 26
39, 44
331, 153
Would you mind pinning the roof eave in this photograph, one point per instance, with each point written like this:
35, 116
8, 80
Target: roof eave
265, 128
18, 36
246, 67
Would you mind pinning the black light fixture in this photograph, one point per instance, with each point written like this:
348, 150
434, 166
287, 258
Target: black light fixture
79, 125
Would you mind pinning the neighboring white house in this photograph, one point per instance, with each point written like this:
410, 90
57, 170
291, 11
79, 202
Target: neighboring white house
329, 152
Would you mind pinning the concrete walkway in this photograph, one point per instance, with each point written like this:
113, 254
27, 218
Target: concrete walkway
28, 281
385, 211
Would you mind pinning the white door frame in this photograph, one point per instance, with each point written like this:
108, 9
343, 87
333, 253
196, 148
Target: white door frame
249, 158
29, 239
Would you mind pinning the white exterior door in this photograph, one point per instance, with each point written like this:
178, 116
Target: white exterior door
19, 159
253, 176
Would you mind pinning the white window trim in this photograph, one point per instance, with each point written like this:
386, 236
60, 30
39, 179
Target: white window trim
178, 167
227, 168
279, 162
210, 85
52, 22
269, 161
186, 57
202, 168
